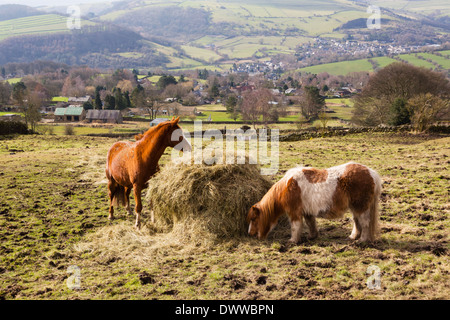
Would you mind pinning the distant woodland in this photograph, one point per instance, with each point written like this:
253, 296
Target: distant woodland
93, 45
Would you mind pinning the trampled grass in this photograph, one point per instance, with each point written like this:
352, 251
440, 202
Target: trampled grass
53, 215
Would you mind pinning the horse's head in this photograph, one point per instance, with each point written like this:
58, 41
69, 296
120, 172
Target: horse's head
254, 221
177, 138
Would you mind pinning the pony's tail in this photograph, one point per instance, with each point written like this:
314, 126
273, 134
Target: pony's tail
374, 226
118, 198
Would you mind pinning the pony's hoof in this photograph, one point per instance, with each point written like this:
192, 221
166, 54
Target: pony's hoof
313, 236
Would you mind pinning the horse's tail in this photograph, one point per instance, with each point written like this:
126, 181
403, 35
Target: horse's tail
118, 196
374, 227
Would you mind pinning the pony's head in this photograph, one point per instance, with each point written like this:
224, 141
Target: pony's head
263, 216
178, 140
254, 221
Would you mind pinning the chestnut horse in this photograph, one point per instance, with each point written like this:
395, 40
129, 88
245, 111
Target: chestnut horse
308, 193
131, 164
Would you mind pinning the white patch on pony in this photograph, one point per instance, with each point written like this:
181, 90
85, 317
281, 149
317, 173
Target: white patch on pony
296, 230
317, 197
249, 227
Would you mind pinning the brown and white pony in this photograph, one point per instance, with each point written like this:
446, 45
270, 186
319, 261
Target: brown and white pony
308, 193
131, 164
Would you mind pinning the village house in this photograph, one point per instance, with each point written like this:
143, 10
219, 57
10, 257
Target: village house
70, 114
79, 100
11, 117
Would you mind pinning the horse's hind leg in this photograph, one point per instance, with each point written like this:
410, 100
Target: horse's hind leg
138, 209
364, 221
111, 190
127, 200
356, 232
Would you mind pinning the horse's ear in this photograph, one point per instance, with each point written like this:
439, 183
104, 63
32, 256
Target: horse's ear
176, 120
255, 210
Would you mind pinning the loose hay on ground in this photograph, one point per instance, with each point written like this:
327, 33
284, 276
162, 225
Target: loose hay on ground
194, 206
205, 202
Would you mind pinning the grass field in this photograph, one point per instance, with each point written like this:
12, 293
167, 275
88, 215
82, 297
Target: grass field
442, 61
13, 80
339, 68
53, 205
46, 23
412, 59
345, 67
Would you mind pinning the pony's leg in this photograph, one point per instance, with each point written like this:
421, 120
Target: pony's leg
296, 229
356, 232
127, 200
312, 225
138, 209
364, 222
111, 187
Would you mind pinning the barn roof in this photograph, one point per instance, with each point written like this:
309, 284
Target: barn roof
79, 99
103, 115
69, 111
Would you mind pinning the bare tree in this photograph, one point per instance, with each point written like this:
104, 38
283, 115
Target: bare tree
31, 109
425, 109
311, 103
255, 104
5, 92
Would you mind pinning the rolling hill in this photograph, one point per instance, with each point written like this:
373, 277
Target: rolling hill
179, 35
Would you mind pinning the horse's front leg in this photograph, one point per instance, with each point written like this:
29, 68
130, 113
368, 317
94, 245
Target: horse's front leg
111, 188
138, 209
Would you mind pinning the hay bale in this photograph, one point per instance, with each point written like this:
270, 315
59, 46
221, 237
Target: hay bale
200, 201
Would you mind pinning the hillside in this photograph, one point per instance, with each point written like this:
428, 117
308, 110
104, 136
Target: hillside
178, 35
14, 11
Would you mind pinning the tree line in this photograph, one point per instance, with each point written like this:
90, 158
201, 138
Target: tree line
403, 94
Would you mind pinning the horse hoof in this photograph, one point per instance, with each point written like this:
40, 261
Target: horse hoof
313, 236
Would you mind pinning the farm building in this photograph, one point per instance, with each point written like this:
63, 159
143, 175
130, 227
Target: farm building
11, 117
79, 100
157, 121
71, 113
105, 116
